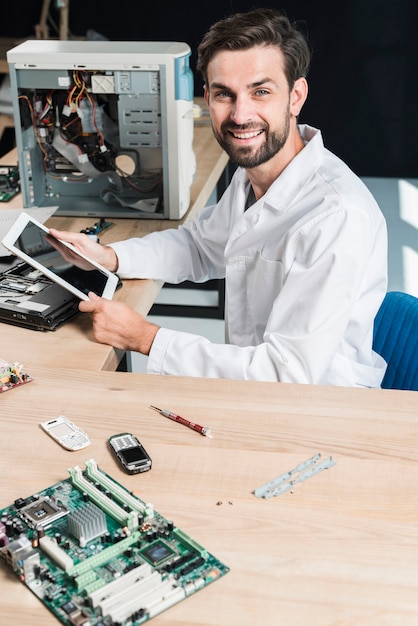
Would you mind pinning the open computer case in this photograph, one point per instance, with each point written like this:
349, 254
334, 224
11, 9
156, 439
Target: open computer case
104, 128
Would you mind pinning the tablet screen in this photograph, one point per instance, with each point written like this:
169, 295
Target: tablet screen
57, 258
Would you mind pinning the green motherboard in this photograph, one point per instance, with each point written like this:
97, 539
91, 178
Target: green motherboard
96, 555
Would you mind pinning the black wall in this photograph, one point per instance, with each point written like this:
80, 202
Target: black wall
363, 79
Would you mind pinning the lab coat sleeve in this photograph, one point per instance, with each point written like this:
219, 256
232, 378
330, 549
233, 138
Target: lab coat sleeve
190, 252
186, 354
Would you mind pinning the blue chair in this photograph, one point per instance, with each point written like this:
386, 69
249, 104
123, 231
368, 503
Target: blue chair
395, 338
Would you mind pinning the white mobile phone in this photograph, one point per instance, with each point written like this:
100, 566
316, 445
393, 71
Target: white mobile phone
66, 433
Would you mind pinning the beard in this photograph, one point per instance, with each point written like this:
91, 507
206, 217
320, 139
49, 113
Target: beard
245, 156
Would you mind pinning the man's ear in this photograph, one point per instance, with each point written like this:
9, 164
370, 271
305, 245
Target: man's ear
298, 96
206, 94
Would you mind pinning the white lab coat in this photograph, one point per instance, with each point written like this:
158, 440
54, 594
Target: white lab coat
305, 269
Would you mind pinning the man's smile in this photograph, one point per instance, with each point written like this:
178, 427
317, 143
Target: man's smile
246, 135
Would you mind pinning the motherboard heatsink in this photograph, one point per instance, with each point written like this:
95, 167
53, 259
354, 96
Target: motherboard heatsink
96, 555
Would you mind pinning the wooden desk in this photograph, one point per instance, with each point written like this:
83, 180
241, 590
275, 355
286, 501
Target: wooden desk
73, 345
340, 549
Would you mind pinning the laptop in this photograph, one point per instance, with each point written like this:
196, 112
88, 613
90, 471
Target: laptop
27, 297
31, 300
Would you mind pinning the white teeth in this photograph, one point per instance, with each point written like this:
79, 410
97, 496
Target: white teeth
246, 135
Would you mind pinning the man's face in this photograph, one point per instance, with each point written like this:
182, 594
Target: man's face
250, 103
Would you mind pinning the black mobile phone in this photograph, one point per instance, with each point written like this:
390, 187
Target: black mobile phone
130, 453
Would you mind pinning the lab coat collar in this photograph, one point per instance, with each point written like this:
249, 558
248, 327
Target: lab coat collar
299, 171
294, 177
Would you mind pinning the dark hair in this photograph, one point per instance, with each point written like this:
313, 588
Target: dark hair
258, 27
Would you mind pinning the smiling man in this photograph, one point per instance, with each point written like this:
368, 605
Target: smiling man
297, 236
255, 122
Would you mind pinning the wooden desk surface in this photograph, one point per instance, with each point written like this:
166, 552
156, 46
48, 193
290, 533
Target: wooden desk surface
72, 344
341, 549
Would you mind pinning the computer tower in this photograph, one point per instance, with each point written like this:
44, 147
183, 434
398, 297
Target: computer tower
104, 128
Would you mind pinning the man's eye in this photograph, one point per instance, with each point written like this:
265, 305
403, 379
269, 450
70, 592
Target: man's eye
223, 94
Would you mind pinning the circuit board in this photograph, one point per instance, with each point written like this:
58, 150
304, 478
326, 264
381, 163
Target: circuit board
97, 228
9, 182
97, 555
12, 375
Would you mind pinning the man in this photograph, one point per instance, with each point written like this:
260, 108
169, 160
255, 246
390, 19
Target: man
299, 239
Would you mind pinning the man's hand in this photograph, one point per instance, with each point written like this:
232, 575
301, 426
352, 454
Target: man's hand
104, 255
118, 325
69, 255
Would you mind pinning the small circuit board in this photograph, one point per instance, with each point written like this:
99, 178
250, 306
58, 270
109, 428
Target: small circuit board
9, 182
97, 228
96, 555
12, 375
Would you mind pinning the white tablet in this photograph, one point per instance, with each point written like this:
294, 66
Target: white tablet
60, 261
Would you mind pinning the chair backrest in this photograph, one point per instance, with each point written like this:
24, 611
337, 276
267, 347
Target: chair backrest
395, 338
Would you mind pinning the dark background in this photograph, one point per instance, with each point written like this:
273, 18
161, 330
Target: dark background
363, 79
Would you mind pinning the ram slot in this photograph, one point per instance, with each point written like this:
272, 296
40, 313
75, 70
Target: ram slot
127, 519
117, 491
114, 587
